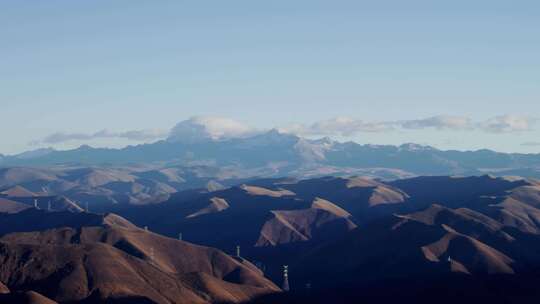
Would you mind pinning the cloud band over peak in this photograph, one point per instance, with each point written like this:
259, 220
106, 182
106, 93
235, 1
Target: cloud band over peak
218, 128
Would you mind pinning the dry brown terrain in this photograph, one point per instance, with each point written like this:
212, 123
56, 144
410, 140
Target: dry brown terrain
115, 260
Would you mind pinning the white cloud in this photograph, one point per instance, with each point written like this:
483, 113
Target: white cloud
346, 127
134, 135
209, 128
201, 128
440, 122
342, 126
508, 123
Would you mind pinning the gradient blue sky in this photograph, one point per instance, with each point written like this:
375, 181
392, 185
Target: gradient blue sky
83, 66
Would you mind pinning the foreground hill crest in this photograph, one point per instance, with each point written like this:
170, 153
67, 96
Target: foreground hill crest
106, 258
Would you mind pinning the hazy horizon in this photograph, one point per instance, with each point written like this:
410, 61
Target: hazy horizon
460, 75
211, 128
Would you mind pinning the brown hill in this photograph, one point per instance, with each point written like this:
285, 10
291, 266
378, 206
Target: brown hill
322, 221
19, 175
529, 194
105, 187
363, 198
9, 206
50, 203
458, 254
492, 224
116, 261
254, 190
17, 191
323, 204
39, 220
95, 177
215, 205
281, 212
3, 288
466, 254
248, 215
418, 244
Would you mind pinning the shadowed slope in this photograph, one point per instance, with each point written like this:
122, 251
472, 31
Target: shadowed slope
29, 297
434, 241
277, 212
464, 253
37, 220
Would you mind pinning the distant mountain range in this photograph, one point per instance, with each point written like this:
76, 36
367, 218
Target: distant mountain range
99, 188
274, 154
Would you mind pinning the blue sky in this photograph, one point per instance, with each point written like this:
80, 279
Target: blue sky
79, 67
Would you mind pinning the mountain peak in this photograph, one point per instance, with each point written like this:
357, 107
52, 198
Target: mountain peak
34, 153
325, 141
272, 137
84, 147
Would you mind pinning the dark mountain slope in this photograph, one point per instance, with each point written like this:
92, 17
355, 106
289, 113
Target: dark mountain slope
29, 297
38, 220
438, 250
